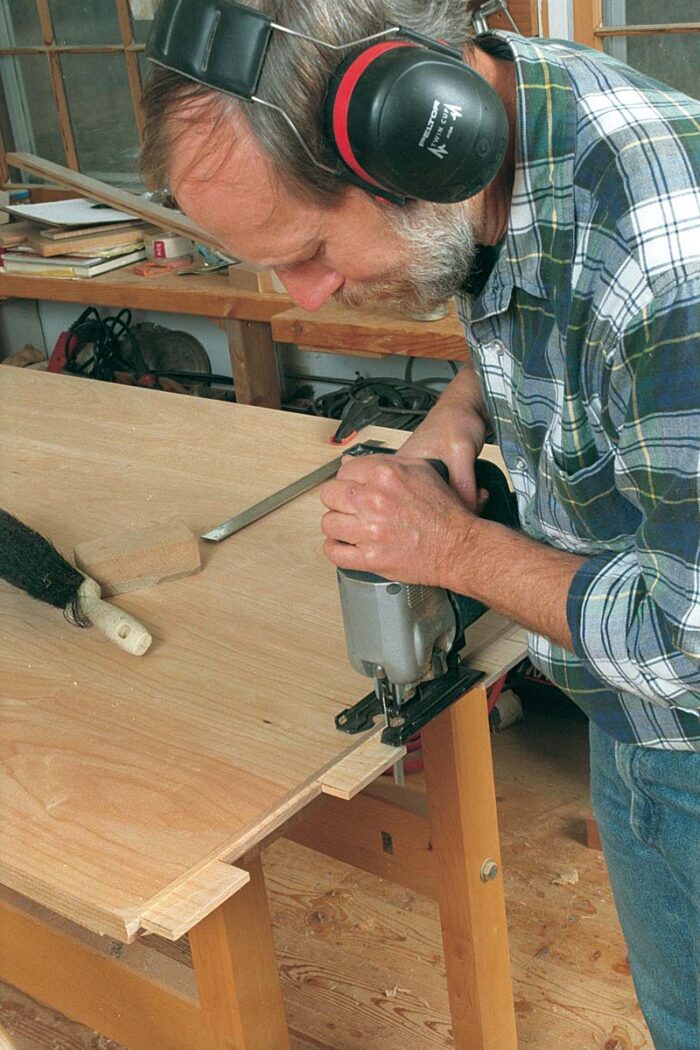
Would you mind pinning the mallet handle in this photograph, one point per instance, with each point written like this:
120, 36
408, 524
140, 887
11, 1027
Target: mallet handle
121, 628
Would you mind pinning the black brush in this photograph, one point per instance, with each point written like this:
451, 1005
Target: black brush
32, 564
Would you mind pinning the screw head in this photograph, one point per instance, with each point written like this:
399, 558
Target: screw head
489, 870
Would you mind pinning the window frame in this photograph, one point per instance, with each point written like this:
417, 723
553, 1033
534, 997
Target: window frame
589, 28
53, 51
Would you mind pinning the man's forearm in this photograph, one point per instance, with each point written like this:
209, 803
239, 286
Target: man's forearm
454, 431
465, 392
524, 580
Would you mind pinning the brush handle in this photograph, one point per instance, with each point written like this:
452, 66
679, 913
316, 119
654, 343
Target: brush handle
117, 625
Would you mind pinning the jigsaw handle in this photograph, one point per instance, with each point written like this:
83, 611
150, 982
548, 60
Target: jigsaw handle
437, 465
501, 505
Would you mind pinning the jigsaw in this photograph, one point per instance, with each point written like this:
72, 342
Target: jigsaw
408, 637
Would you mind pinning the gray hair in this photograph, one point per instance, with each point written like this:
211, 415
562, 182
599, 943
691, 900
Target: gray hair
294, 78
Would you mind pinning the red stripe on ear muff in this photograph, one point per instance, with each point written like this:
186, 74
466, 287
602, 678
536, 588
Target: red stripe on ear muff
341, 105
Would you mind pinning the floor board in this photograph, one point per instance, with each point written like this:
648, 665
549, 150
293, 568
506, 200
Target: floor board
361, 959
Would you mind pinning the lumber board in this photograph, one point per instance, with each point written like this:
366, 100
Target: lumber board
122, 779
371, 330
494, 645
15, 233
124, 233
459, 780
253, 363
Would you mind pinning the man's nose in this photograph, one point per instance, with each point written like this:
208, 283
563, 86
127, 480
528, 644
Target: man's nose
310, 284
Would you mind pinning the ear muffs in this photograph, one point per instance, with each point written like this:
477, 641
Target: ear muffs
416, 122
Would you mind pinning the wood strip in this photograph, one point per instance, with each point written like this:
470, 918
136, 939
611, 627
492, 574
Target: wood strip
94, 988
348, 777
112, 195
47, 247
190, 902
13, 233
59, 91
234, 960
459, 780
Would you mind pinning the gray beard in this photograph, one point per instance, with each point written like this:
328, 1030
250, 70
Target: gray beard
439, 241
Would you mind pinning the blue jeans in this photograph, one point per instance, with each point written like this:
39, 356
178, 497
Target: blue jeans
647, 804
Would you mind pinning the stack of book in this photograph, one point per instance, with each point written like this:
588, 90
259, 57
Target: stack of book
72, 238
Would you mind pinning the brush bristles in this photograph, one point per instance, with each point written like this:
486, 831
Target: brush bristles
30, 562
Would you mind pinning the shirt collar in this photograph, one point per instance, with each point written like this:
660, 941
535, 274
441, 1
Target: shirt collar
539, 237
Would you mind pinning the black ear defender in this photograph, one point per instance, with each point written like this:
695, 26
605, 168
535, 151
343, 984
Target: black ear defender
406, 116
419, 122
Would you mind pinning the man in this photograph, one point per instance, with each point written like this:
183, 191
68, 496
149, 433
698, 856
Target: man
577, 272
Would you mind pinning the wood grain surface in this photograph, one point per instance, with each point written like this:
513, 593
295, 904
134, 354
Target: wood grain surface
122, 778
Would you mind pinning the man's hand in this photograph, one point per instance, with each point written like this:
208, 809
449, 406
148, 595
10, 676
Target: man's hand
454, 431
456, 437
394, 517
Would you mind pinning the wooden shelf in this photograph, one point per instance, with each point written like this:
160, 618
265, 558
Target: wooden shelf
210, 296
370, 331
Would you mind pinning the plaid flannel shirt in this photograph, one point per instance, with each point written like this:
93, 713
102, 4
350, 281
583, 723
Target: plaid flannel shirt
586, 338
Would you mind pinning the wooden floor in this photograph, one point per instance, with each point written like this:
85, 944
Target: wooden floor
361, 959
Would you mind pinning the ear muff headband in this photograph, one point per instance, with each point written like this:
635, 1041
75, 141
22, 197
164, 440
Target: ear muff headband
341, 105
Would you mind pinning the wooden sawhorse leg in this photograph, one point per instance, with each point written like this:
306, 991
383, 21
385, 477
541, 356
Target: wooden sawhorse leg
464, 827
144, 1000
234, 960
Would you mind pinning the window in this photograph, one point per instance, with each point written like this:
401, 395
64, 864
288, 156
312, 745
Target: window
70, 80
661, 40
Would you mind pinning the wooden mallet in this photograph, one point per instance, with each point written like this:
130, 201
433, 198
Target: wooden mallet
31, 563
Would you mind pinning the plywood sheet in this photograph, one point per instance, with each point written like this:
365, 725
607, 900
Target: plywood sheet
124, 777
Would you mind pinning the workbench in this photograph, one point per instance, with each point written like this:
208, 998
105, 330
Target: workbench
138, 793
253, 321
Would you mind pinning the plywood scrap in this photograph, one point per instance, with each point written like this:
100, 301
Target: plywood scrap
140, 558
